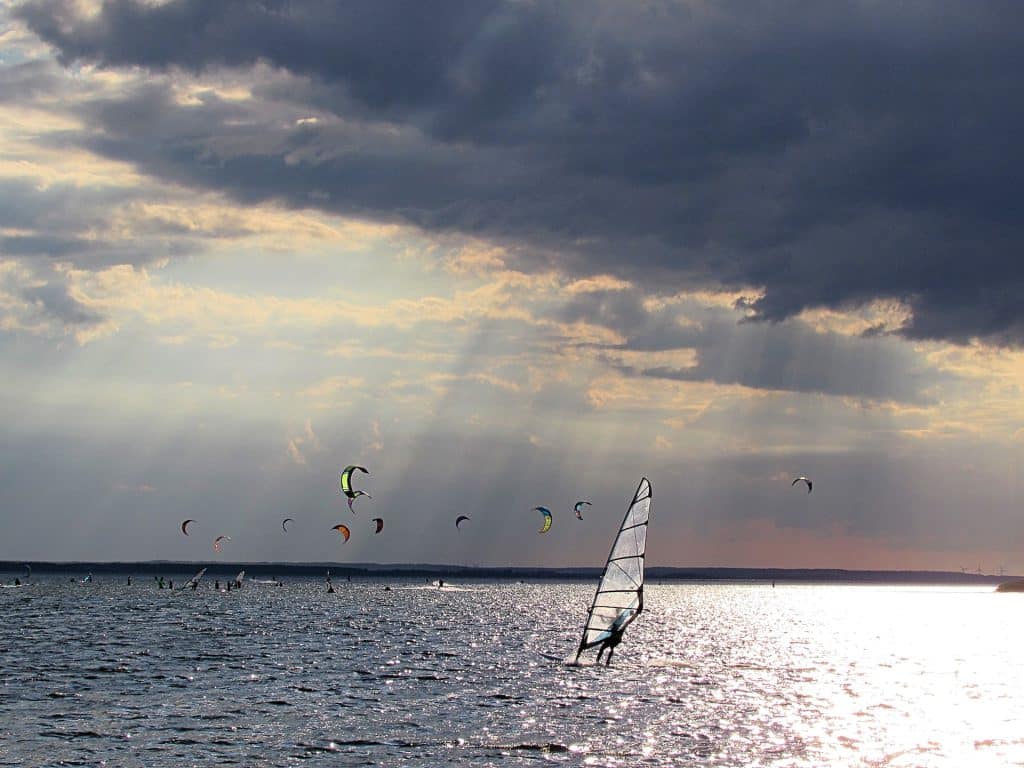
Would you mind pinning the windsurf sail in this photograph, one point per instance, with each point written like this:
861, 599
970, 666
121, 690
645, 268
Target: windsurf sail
240, 578
194, 580
620, 593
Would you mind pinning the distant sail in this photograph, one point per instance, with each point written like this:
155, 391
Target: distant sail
240, 577
194, 580
620, 593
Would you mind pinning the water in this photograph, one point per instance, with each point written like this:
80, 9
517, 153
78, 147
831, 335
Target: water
710, 675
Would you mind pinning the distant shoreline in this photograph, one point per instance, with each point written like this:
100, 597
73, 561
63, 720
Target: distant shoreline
425, 570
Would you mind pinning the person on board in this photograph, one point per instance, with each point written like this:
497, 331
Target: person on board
129, 581
170, 584
615, 632
609, 644
216, 584
194, 585
17, 581
440, 583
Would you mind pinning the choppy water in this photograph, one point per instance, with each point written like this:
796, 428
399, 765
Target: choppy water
710, 675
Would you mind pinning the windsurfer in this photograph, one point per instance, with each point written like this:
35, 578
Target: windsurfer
609, 645
615, 632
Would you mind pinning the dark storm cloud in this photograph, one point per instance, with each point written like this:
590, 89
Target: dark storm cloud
789, 356
831, 153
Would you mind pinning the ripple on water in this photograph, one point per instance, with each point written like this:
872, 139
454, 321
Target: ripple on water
723, 675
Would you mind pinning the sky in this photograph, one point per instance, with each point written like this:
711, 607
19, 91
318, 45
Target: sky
509, 254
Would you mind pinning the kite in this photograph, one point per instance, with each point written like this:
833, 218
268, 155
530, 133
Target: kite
577, 508
547, 519
809, 483
351, 500
346, 481
184, 526
218, 540
460, 518
346, 485
380, 524
343, 530
286, 520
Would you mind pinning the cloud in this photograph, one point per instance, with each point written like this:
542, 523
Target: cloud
688, 339
28, 80
306, 442
823, 155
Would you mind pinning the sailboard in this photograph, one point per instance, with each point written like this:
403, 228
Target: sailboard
619, 598
194, 580
240, 577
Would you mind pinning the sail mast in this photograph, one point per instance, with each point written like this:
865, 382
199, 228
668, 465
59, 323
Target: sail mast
619, 598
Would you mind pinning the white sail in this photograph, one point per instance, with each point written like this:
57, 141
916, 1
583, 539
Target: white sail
620, 593
240, 577
194, 580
